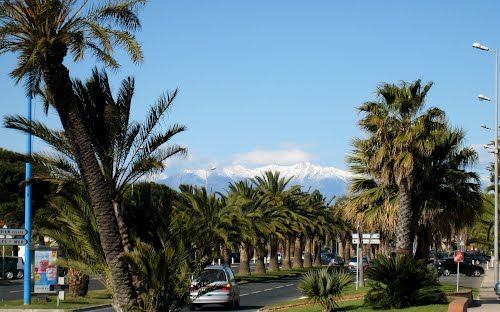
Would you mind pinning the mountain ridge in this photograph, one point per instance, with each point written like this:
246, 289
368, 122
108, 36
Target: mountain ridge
330, 181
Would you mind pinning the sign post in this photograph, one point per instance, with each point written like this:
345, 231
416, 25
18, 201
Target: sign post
458, 257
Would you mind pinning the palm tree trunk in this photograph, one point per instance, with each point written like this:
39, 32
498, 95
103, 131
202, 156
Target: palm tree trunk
287, 263
260, 267
78, 283
307, 253
317, 252
226, 254
404, 221
273, 252
122, 227
244, 259
341, 249
347, 250
297, 253
58, 82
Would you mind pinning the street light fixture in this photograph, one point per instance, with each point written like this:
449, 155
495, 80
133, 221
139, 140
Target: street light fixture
481, 97
206, 176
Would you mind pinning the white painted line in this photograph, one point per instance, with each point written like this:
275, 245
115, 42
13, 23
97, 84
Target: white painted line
256, 292
278, 287
243, 295
305, 297
268, 289
288, 285
15, 291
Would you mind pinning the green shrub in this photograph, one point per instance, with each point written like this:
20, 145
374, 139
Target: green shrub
401, 282
323, 286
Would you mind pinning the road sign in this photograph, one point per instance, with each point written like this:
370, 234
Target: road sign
373, 241
459, 256
13, 241
18, 232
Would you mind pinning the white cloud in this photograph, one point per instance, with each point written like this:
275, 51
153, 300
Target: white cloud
278, 157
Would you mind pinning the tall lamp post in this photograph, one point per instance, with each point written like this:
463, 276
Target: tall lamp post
206, 176
27, 214
481, 97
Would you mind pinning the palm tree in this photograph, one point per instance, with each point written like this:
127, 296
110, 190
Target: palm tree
126, 150
74, 228
210, 221
241, 194
272, 188
41, 33
400, 135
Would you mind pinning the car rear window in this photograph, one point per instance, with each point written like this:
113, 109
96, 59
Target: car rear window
212, 275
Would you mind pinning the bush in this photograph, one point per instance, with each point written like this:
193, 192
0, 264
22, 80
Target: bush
401, 282
323, 286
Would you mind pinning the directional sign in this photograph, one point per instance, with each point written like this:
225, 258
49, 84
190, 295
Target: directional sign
373, 241
13, 241
18, 232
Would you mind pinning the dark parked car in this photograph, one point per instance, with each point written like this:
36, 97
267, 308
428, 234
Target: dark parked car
326, 257
8, 267
337, 261
449, 266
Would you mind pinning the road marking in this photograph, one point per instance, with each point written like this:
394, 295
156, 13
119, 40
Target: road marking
15, 291
267, 289
305, 297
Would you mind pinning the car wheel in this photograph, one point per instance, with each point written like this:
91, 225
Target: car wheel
9, 275
477, 272
20, 274
446, 272
193, 307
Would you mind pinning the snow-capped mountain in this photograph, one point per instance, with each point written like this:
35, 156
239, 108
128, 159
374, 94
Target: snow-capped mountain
329, 181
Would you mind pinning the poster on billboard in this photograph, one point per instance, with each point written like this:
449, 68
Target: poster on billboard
45, 270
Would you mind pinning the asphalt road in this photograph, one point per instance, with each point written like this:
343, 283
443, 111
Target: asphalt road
14, 289
464, 281
252, 295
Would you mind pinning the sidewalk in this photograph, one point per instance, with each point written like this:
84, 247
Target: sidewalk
488, 301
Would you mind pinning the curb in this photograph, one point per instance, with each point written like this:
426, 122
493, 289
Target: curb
308, 303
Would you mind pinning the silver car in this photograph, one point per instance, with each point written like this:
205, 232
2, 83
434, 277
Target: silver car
215, 285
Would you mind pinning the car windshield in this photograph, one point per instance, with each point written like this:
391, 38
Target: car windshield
212, 275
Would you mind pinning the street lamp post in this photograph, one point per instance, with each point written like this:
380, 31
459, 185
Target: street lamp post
481, 97
206, 176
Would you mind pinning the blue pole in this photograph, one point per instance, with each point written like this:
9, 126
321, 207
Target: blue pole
27, 215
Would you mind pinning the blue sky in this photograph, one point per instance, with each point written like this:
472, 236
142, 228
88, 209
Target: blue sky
278, 81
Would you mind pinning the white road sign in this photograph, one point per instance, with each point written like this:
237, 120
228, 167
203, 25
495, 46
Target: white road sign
13, 241
373, 241
14, 232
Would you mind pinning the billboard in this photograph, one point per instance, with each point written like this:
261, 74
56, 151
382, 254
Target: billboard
45, 270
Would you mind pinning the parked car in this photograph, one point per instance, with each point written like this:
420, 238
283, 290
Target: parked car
215, 285
8, 267
449, 266
326, 257
353, 263
20, 266
337, 261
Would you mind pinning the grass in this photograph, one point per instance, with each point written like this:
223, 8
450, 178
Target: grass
269, 275
94, 298
357, 306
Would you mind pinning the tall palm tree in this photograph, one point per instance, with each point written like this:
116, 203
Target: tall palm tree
273, 189
210, 221
400, 135
242, 194
41, 33
126, 150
